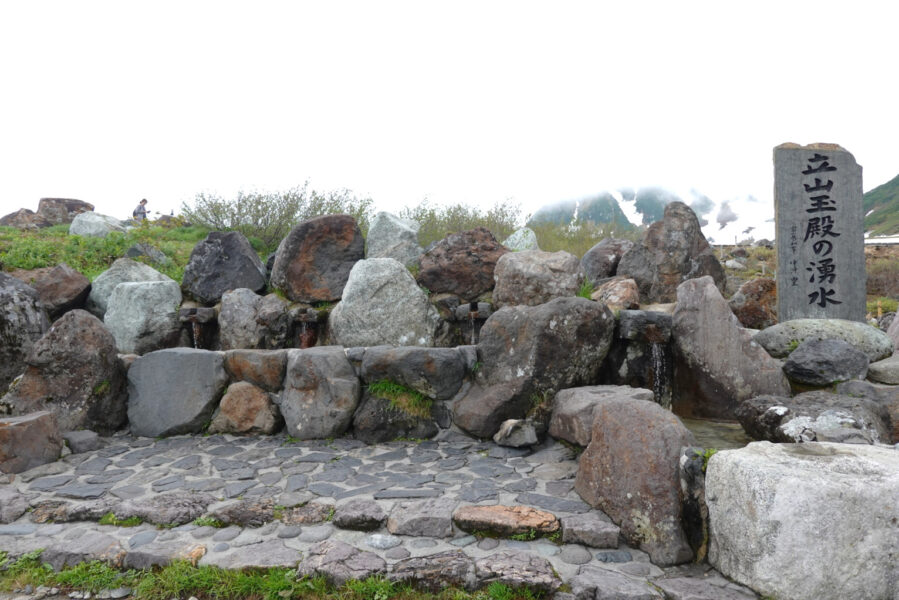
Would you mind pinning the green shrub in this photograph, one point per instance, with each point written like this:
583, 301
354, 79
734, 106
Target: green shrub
269, 216
883, 278
402, 398
502, 219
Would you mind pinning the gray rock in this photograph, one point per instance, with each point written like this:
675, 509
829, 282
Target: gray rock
779, 339
522, 239
142, 538
575, 555
174, 508
317, 533
81, 441
423, 518
221, 262
517, 569
381, 541
22, 323
893, 334
88, 546
392, 237
174, 391
362, 515
886, 370
12, 505
435, 372
516, 433
815, 416
28, 441
122, 270
805, 521
590, 530
91, 224
436, 572
382, 304
377, 420
321, 393
534, 277
594, 582
572, 415
143, 316
238, 326
630, 472
313, 262
672, 251
709, 588
614, 556
824, 362
74, 372
264, 555
601, 261
719, 366
339, 562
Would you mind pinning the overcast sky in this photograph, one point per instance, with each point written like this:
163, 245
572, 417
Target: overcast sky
474, 102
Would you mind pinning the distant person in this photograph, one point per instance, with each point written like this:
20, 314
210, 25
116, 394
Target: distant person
140, 213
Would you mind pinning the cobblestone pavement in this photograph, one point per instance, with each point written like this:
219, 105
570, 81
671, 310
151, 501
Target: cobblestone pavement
280, 499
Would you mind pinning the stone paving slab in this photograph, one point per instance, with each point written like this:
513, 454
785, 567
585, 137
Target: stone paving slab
280, 497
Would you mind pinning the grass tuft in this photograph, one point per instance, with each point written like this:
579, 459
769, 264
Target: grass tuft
402, 398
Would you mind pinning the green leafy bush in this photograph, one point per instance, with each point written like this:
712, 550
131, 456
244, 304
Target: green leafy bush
269, 216
437, 222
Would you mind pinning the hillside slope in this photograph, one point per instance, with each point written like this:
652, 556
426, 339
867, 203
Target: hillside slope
882, 209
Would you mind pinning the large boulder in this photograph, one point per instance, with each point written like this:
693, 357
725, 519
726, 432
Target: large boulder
221, 262
823, 362
22, 322
672, 251
885, 371
720, 366
618, 293
93, 224
143, 316
779, 340
573, 409
174, 391
630, 471
392, 237
313, 262
806, 521
435, 372
121, 271
815, 416
60, 288
321, 392
24, 219
263, 368
379, 420
461, 264
755, 303
522, 239
893, 334
383, 305
246, 409
601, 261
531, 352
247, 320
886, 396
59, 211
29, 441
533, 277
74, 372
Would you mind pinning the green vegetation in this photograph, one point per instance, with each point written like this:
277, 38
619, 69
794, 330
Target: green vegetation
269, 216
181, 579
90, 255
439, 221
111, 519
792, 346
883, 277
881, 206
208, 522
879, 305
402, 398
706, 455
525, 536
586, 290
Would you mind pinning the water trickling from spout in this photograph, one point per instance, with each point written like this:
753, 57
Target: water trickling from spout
195, 327
660, 388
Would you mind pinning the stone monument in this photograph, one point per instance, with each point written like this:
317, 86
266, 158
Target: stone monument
820, 233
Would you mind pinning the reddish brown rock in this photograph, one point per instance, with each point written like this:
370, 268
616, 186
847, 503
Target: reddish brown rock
672, 251
24, 219
461, 264
58, 211
314, 261
505, 520
755, 303
28, 441
23, 321
618, 293
264, 368
74, 371
246, 409
60, 288
306, 514
630, 472
534, 277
